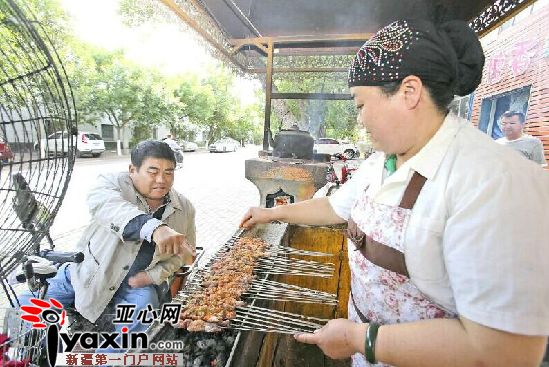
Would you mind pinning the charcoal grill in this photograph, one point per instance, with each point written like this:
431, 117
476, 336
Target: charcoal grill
275, 262
284, 181
257, 315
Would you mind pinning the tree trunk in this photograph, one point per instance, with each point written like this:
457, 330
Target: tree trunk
116, 123
173, 130
118, 140
303, 123
209, 136
316, 112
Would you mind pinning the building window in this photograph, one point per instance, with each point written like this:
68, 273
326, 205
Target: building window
461, 106
493, 107
107, 131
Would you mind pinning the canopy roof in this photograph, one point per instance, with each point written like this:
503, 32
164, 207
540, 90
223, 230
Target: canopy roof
242, 29
276, 18
249, 33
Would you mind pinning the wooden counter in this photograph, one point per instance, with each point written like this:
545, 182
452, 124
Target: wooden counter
256, 349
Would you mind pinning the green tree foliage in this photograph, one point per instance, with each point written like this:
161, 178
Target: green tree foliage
30, 83
107, 86
114, 88
129, 96
23, 54
219, 122
247, 125
137, 12
195, 100
210, 104
340, 121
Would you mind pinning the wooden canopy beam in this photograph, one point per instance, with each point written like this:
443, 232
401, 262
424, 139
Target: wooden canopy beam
339, 40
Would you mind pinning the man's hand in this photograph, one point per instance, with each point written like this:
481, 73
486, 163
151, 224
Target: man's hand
141, 279
256, 215
171, 242
338, 339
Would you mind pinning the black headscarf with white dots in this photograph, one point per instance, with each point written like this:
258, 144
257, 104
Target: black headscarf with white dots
449, 54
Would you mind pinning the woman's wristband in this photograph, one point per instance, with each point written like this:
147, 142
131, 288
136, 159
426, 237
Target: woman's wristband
370, 343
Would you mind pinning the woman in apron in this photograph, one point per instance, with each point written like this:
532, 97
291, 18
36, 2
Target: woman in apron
448, 231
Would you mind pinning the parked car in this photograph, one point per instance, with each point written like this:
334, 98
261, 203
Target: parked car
6, 154
188, 146
224, 145
87, 143
334, 147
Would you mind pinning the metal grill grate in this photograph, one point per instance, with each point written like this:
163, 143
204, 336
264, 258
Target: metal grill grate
275, 262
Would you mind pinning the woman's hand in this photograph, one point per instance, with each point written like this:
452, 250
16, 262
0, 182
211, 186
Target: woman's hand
255, 216
338, 339
141, 279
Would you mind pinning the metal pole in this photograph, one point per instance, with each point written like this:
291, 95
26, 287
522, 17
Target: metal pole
268, 92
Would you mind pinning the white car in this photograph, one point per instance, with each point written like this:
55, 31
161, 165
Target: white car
334, 147
86, 143
224, 145
188, 146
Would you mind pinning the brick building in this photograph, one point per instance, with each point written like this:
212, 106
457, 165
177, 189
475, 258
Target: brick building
516, 74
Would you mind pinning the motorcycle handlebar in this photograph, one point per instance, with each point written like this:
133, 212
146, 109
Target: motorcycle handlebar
57, 257
61, 257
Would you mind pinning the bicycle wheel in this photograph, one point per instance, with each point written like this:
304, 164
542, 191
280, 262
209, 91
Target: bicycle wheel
35, 101
21, 345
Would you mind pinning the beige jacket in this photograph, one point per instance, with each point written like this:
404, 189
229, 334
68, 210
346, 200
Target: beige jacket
113, 202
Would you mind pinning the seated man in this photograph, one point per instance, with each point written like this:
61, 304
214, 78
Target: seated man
140, 233
512, 125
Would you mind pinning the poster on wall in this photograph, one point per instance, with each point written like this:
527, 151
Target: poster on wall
513, 61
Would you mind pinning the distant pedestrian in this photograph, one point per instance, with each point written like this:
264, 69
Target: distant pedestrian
512, 125
171, 142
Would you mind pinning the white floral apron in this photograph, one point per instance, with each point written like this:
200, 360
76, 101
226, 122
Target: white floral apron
381, 290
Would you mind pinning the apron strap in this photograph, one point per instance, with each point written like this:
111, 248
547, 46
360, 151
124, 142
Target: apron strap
361, 316
384, 256
412, 191
377, 253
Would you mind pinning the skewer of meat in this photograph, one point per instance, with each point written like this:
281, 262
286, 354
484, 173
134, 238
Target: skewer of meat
214, 305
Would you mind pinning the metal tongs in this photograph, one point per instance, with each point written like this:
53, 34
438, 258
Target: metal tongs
185, 270
181, 276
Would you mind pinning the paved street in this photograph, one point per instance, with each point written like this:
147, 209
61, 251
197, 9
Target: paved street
214, 183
